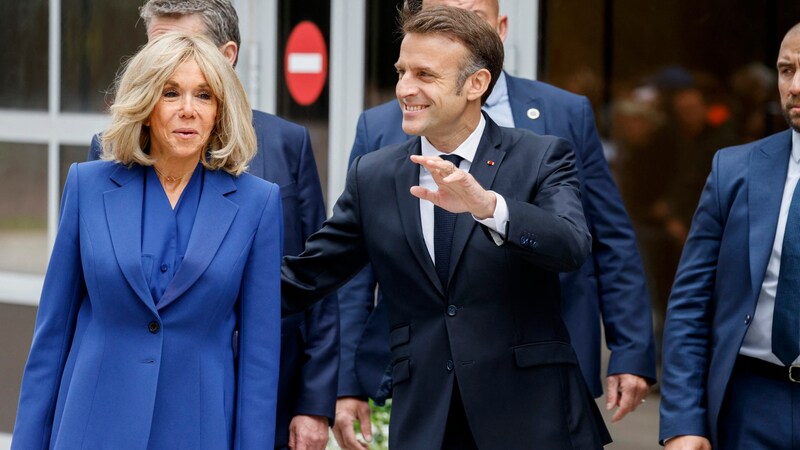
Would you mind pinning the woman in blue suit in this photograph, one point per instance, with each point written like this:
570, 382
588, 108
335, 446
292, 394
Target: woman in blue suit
166, 265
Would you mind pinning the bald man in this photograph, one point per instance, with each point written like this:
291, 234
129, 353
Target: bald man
732, 334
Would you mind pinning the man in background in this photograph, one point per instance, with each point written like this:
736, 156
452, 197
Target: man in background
309, 340
732, 334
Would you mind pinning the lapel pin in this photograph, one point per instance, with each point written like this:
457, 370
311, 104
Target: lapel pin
490, 163
533, 114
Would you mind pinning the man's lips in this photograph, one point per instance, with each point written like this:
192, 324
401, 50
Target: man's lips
414, 108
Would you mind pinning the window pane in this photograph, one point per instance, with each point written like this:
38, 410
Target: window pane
23, 27
23, 207
96, 36
16, 331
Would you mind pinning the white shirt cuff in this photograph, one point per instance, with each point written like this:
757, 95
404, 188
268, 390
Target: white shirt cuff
499, 220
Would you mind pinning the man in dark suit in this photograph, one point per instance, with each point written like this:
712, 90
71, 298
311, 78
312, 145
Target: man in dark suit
480, 355
611, 283
309, 340
732, 334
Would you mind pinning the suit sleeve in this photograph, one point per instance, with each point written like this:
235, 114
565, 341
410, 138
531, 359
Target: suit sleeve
550, 231
356, 298
332, 256
625, 305
687, 329
63, 291
95, 149
260, 332
317, 394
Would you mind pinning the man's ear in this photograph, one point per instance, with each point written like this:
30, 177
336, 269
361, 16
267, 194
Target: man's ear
230, 50
502, 27
477, 84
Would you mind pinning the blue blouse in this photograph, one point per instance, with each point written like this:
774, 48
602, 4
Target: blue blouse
166, 231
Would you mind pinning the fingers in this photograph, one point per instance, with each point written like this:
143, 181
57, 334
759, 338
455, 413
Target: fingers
366, 422
627, 392
612, 392
348, 410
423, 194
308, 433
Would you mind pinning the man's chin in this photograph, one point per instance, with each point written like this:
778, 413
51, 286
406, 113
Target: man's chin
793, 120
411, 129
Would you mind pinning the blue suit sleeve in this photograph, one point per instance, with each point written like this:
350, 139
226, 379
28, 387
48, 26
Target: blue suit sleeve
356, 298
624, 302
687, 329
260, 332
317, 395
64, 289
95, 149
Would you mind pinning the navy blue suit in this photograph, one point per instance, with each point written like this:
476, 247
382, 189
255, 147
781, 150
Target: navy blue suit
610, 283
496, 328
717, 286
309, 340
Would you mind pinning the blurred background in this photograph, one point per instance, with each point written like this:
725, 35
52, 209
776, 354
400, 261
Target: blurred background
670, 82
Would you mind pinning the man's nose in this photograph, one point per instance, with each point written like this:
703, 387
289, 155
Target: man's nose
794, 87
405, 86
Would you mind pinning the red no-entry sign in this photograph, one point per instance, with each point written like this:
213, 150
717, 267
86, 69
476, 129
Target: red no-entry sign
305, 63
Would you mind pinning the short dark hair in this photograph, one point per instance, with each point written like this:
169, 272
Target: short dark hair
219, 17
480, 39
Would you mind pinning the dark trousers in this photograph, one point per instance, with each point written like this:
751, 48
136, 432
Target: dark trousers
760, 412
457, 434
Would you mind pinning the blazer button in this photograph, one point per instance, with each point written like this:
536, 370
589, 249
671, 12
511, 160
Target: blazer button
747, 319
153, 327
451, 310
450, 365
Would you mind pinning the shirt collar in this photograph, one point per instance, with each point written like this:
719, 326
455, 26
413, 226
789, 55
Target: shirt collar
499, 91
795, 146
466, 149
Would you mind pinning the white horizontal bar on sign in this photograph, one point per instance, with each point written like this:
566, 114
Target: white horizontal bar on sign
305, 62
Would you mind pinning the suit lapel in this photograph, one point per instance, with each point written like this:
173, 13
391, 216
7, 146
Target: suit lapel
215, 214
407, 175
484, 173
526, 107
123, 208
766, 179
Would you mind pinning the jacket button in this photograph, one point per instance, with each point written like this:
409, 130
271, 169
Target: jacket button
451, 310
164, 268
153, 327
747, 319
449, 365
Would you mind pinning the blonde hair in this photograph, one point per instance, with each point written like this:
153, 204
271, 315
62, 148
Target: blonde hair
232, 143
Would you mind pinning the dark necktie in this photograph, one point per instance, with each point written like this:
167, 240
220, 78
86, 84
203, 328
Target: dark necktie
786, 318
443, 224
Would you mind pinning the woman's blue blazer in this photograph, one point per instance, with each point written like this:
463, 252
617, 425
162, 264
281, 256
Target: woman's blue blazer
108, 369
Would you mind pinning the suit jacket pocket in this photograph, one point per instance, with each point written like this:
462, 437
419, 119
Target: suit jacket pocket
399, 336
401, 371
544, 353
